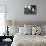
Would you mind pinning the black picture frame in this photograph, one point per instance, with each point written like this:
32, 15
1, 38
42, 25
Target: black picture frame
32, 10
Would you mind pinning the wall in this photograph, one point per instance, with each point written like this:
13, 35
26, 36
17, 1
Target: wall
15, 9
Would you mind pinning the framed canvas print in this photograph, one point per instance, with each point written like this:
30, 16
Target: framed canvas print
31, 9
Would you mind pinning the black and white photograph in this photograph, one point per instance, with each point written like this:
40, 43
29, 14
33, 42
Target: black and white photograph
31, 9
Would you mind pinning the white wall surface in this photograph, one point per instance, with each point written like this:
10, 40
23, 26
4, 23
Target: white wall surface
15, 9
